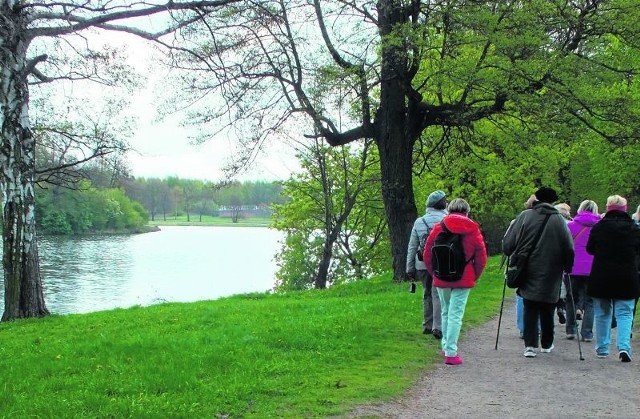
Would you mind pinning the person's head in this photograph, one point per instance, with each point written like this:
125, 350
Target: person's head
437, 200
546, 194
564, 210
528, 204
616, 202
460, 206
588, 206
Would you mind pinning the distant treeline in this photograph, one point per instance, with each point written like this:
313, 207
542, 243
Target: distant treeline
95, 206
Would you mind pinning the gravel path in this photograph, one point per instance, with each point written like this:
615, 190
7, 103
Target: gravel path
504, 384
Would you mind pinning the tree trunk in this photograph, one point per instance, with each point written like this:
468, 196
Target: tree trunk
320, 281
23, 292
399, 202
394, 139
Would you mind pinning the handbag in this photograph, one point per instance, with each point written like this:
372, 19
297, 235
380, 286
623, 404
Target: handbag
517, 263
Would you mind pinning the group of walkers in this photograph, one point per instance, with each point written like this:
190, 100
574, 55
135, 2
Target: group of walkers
584, 267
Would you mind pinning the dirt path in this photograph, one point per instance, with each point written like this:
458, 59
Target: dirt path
504, 384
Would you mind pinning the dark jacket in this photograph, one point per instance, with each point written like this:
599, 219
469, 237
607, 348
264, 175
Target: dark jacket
552, 256
614, 243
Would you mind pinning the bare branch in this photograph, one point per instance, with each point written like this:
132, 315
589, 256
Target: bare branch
102, 16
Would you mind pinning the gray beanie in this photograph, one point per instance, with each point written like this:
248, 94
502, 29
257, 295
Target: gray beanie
435, 197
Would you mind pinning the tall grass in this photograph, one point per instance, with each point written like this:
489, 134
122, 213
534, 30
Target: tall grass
300, 354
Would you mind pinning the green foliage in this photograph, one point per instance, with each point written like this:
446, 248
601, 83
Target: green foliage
310, 354
87, 210
297, 261
334, 221
55, 222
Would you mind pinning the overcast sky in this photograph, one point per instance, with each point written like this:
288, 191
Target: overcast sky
163, 148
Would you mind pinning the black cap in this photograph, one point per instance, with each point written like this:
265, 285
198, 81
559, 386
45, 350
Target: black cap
546, 194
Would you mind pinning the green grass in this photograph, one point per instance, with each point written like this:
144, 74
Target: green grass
300, 354
207, 220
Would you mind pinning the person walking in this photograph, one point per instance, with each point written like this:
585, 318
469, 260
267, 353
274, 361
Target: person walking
614, 243
561, 308
528, 204
548, 260
579, 304
454, 294
416, 270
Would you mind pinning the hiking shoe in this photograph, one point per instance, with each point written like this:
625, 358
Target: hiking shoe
571, 336
579, 314
453, 360
426, 331
587, 339
547, 350
561, 317
529, 352
624, 356
602, 356
437, 334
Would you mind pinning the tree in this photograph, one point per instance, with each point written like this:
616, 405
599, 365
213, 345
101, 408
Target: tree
333, 202
24, 62
404, 67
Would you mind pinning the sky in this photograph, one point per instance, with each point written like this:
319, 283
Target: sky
162, 148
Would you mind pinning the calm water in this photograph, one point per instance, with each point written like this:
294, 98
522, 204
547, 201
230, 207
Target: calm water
177, 264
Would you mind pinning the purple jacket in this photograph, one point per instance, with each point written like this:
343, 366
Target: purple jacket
580, 229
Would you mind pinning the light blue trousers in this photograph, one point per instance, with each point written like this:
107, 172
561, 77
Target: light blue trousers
604, 309
452, 304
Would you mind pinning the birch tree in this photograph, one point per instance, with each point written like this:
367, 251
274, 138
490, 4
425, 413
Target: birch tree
22, 64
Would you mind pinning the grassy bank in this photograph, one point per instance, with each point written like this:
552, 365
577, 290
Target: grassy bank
208, 220
303, 354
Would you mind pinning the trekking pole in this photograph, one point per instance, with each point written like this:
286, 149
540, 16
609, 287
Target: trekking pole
504, 289
578, 323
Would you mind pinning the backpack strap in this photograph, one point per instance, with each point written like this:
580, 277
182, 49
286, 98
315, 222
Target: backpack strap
579, 233
428, 231
444, 228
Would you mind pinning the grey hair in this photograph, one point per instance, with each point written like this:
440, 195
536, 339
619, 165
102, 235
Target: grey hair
459, 205
588, 206
616, 200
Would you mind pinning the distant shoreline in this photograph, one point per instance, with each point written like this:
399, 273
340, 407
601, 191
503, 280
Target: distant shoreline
213, 222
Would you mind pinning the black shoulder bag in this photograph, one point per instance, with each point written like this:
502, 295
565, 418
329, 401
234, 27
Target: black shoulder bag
514, 274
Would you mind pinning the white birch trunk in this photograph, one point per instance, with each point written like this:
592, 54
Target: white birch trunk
24, 295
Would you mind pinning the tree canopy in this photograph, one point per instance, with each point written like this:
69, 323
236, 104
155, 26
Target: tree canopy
402, 68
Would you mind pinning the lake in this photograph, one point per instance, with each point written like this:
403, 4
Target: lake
176, 264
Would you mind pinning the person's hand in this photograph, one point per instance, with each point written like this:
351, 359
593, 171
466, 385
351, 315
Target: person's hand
411, 275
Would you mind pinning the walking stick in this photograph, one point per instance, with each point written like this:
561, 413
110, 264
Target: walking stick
578, 322
504, 289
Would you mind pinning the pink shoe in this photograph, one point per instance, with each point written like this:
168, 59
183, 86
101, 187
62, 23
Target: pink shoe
453, 360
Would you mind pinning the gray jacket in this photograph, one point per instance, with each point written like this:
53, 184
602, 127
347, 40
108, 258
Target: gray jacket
552, 256
422, 229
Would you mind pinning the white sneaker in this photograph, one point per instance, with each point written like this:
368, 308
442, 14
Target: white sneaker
529, 352
547, 350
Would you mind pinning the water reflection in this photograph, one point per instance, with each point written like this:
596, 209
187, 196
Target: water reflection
176, 264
